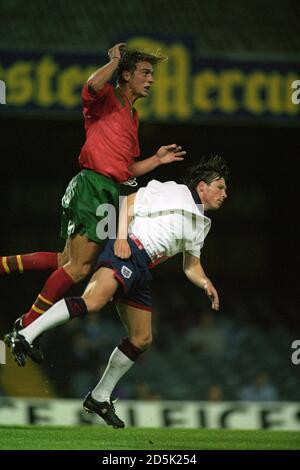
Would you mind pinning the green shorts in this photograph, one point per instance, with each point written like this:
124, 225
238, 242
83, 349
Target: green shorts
90, 204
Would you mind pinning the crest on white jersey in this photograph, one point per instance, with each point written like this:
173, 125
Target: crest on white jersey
126, 272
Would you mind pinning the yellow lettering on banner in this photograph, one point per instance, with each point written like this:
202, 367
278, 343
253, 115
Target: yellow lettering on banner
256, 83
177, 92
289, 107
229, 81
45, 74
88, 71
19, 83
69, 82
274, 96
171, 97
206, 86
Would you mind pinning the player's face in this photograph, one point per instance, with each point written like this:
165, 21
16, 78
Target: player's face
141, 80
212, 195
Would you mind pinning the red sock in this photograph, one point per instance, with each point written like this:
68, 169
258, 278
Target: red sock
55, 288
34, 261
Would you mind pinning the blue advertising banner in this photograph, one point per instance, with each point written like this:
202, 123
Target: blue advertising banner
187, 88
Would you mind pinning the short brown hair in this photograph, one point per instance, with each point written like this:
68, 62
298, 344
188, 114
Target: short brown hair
131, 57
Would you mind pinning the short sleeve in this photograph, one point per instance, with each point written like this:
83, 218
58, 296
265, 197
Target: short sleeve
89, 99
194, 249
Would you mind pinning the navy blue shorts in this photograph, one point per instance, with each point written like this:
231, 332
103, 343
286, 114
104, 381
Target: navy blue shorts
133, 274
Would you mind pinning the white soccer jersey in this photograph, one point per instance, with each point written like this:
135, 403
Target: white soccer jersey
168, 221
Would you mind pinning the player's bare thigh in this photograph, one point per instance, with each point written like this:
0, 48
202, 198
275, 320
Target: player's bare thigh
100, 289
80, 253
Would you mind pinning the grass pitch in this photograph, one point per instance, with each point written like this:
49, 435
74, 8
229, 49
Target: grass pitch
105, 438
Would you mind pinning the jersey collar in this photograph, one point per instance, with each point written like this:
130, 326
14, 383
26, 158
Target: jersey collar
195, 196
197, 200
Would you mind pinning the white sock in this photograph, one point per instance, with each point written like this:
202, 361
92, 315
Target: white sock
56, 315
117, 366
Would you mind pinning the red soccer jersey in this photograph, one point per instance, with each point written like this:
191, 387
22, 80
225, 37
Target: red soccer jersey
111, 133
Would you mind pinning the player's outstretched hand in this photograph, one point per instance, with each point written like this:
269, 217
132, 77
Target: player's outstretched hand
122, 249
170, 153
212, 294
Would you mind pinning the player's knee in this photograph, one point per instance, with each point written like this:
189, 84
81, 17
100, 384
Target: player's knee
79, 271
142, 341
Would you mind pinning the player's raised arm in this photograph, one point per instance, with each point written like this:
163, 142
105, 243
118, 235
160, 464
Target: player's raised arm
195, 273
98, 79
